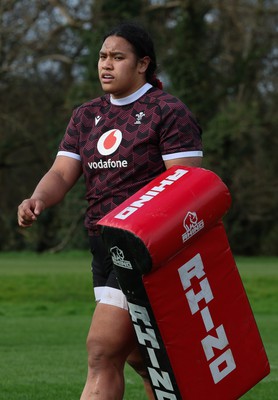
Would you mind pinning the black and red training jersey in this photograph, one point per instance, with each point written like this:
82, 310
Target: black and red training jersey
122, 144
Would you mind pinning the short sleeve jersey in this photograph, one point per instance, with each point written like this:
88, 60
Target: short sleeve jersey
122, 145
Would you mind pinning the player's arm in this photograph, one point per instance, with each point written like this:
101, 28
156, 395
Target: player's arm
51, 189
184, 161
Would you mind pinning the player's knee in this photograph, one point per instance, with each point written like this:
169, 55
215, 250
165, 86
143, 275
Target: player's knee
97, 353
102, 353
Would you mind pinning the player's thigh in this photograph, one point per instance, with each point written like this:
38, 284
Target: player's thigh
111, 333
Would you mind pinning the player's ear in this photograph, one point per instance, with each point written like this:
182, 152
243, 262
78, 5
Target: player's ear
143, 64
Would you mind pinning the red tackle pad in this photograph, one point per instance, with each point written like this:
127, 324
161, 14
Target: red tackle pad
186, 299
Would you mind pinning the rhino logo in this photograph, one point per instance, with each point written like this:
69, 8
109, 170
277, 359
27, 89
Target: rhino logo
118, 258
190, 219
192, 225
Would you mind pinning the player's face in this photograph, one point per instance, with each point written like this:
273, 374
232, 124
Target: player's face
120, 71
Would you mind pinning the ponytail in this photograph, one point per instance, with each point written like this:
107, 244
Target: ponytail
156, 82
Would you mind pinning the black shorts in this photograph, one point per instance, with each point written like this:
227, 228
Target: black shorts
106, 287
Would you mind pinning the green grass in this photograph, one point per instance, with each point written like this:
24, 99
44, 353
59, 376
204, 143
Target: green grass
46, 305
260, 278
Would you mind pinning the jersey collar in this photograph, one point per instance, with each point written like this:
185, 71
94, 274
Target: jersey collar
132, 97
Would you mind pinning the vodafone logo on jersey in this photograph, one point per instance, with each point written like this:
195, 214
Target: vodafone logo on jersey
109, 142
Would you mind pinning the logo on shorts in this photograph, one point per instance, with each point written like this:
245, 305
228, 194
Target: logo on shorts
191, 225
118, 258
109, 142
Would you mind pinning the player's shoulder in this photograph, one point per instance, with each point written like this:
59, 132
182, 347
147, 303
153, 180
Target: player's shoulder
163, 99
91, 105
158, 96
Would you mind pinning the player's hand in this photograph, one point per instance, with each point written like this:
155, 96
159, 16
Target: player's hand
28, 211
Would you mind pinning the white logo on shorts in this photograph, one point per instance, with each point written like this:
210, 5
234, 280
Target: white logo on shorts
118, 258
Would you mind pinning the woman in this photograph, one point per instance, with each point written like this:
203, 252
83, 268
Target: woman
119, 142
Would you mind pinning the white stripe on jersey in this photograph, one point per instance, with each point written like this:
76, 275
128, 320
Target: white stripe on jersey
69, 154
182, 154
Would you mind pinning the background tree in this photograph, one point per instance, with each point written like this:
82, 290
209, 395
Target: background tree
226, 71
39, 49
240, 139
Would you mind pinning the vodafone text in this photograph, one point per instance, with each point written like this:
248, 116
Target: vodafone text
107, 164
224, 364
146, 336
149, 195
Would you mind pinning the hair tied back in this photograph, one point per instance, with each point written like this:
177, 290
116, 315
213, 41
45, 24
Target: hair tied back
157, 82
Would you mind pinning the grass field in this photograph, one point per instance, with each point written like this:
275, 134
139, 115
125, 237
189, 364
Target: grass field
45, 309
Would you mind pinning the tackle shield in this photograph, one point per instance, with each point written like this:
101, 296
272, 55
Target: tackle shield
186, 299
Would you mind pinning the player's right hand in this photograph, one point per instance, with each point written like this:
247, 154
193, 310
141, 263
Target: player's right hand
28, 211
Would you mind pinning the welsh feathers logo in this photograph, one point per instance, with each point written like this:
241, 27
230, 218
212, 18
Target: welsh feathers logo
109, 142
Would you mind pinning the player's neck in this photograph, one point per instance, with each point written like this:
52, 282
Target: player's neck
132, 97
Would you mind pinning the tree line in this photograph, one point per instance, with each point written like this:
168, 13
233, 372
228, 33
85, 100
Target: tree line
219, 57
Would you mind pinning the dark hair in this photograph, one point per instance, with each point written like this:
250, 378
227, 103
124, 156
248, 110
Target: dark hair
142, 44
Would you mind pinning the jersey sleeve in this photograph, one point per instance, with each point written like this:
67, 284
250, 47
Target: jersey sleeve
180, 135
69, 145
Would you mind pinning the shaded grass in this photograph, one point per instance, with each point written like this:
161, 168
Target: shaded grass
33, 284
46, 307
